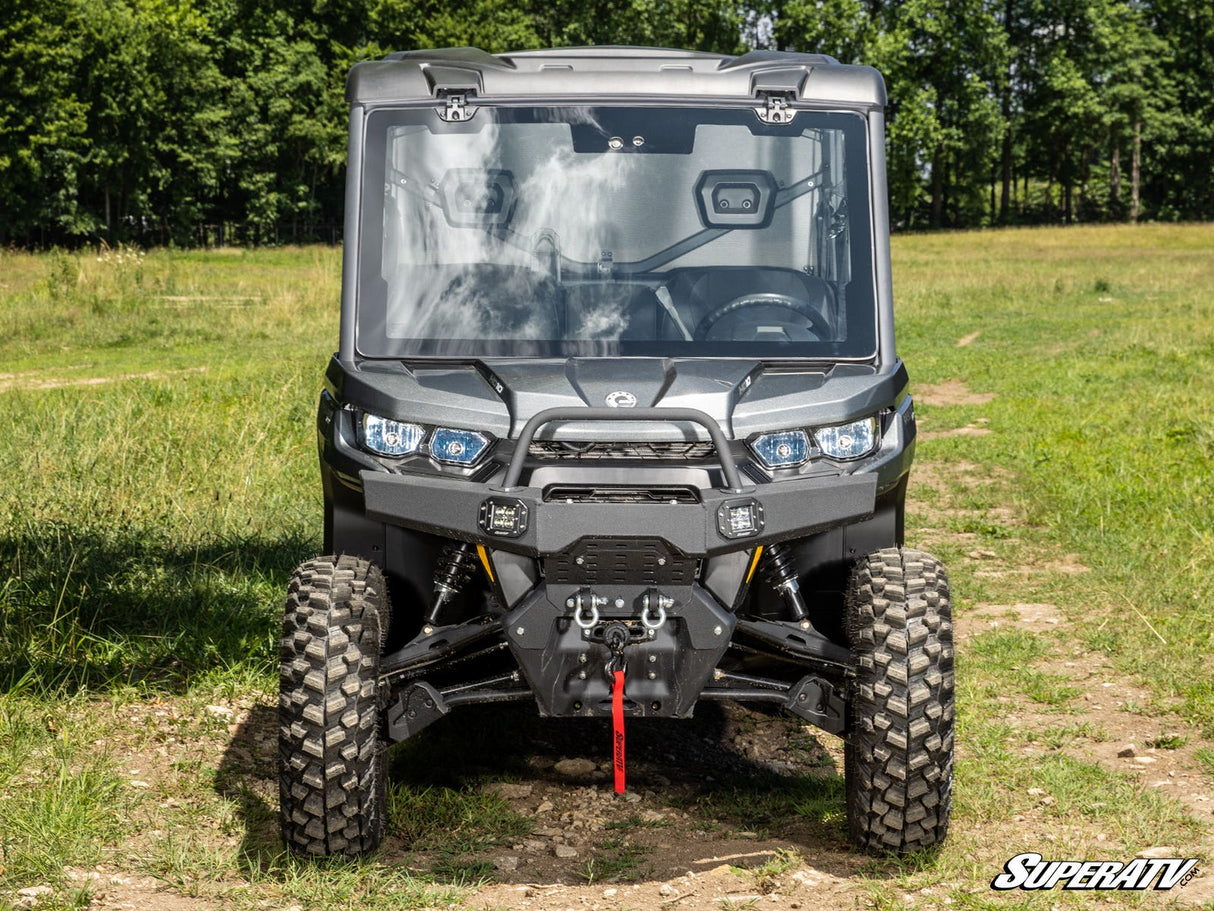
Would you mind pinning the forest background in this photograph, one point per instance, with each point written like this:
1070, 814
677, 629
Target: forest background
218, 121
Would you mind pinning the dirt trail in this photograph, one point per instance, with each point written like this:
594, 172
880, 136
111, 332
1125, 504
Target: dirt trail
38, 379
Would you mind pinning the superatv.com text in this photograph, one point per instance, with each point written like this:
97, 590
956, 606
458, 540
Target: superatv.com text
1030, 871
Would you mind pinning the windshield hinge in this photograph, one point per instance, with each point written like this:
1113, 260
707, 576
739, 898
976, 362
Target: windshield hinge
456, 108
777, 107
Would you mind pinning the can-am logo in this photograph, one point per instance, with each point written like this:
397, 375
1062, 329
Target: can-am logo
621, 399
1030, 871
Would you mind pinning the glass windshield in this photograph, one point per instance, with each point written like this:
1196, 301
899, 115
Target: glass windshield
576, 231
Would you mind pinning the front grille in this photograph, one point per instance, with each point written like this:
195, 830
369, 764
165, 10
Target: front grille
581, 493
619, 561
641, 451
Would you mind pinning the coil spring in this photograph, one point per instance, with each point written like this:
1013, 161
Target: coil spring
455, 567
777, 566
778, 569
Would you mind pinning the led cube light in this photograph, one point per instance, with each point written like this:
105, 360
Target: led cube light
739, 518
504, 517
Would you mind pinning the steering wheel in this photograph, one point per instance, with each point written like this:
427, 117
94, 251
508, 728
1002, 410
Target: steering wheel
797, 305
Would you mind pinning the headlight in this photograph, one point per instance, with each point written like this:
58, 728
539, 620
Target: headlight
457, 447
780, 450
390, 438
848, 441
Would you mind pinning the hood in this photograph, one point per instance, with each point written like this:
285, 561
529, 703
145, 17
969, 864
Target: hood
744, 396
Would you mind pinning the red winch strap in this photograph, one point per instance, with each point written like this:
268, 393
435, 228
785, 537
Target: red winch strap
617, 730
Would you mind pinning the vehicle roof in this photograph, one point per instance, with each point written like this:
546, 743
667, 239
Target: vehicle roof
598, 72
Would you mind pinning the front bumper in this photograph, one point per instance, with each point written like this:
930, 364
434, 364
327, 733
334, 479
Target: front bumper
662, 577
451, 507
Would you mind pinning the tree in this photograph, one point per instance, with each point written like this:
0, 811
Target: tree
1179, 155
44, 138
943, 61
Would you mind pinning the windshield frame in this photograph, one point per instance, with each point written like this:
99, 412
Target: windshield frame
863, 314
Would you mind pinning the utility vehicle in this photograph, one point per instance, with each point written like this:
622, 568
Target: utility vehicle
616, 425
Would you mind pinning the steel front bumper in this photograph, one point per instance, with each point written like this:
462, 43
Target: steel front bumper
662, 577
452, 508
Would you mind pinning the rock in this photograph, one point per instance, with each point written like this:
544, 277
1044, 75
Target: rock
1048, 801
668, 890
1159, 851
1145, 760
746, 835
1128, 751
610, 893
544, 807
574, 768
564, 851
220, 711
632, 797
31, 896
506, 863
509, 790
1035, 792
651, 816
533, 845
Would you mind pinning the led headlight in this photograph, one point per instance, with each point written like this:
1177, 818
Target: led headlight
848, 441
390, 438
457, 447
780, 450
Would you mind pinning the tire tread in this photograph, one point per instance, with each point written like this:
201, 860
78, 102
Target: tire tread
899, 754
332, 787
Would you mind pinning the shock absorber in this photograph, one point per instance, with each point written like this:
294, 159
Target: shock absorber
777, 568
456, 564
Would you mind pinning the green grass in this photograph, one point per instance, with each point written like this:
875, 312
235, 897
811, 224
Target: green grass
148, 520
60, 799
157, 453
616, 860
438, 818
1098, 345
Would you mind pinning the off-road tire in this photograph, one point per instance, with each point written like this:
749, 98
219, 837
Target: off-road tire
332, 786
898, 759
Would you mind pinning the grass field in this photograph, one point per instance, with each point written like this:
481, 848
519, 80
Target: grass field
157, 461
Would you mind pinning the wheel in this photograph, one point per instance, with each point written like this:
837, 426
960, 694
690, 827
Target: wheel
898, 759
817, 321
332, 788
